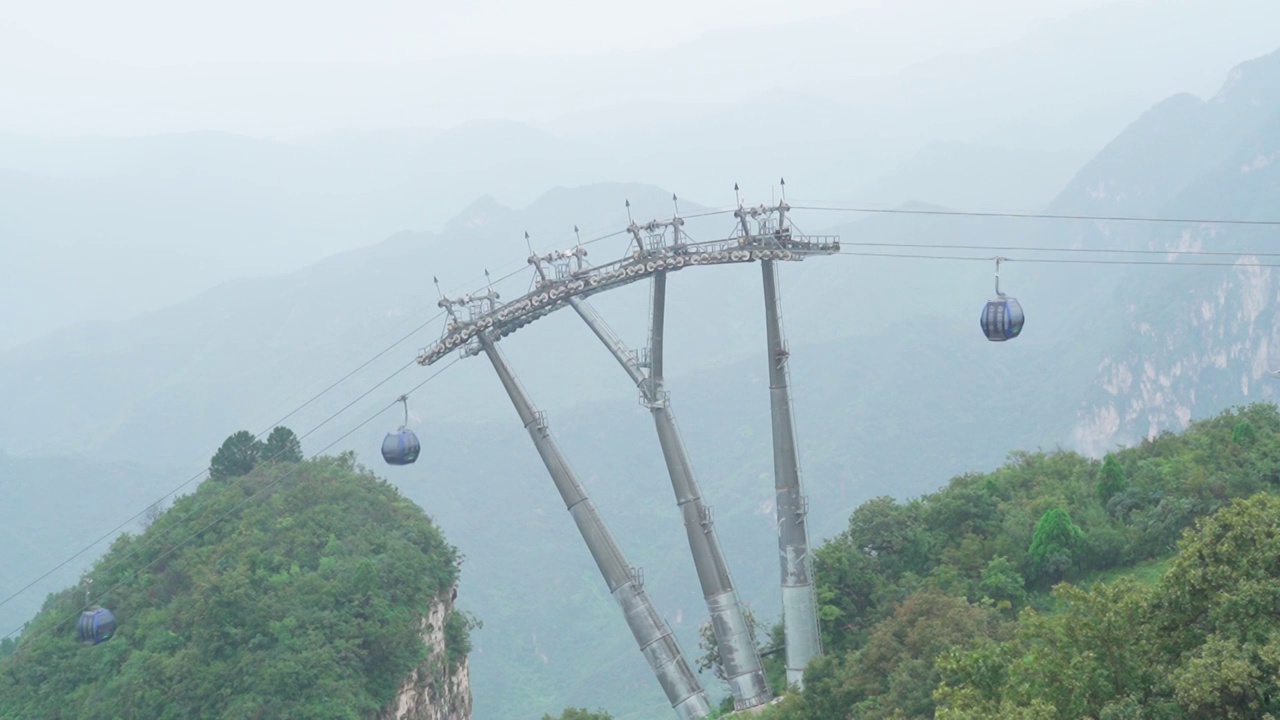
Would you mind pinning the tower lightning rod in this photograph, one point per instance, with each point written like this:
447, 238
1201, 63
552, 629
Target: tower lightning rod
739, 657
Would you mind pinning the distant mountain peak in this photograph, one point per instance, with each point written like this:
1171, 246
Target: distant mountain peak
1175, 141
1255, 82
645, 199
483, 211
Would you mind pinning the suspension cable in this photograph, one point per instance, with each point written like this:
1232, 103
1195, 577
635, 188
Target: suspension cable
1038, 216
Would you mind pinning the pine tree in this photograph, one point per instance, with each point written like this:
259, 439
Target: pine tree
1053, 544
237, 456
282, 446
1111, 479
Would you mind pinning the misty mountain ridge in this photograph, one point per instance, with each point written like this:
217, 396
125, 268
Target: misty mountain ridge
390, 273
1180, 343
1182, 137
248, 206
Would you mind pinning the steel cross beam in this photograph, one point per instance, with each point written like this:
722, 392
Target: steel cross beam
769, 242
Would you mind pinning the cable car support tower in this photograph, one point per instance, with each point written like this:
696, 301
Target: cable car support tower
565, 279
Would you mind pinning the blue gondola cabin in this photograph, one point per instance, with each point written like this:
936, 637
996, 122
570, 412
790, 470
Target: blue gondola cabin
401, 448
96, 625
1002, 319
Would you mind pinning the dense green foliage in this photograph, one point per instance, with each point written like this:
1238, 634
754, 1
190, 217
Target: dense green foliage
940, 606
457, 637
300, 597
1203, 642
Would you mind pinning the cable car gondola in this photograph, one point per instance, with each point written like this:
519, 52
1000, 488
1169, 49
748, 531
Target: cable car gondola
401, 447
1002, 319
96, 625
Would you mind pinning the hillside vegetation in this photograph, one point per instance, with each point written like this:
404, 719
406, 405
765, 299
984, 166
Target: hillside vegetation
278, 589
1140, 586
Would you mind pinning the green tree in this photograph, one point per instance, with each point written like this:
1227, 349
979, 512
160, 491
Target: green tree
1002, 583
457, 636
895, 535
894, 674
1111, 479
1216, 612
282, 446
848, 576
237, 457
1053, 545
1244, 433
1088, 660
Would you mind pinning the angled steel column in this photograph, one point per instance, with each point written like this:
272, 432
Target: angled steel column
799, 597
650, 630
738, 654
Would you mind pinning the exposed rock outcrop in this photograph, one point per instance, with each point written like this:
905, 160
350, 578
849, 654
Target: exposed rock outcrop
434, 690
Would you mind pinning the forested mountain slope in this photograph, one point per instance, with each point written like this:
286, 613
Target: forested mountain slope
300, 589
941, 604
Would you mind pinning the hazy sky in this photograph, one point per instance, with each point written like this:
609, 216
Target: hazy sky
160, 32
157, 32
276, 67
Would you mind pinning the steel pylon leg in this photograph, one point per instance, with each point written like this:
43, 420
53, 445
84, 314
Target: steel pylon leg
736, 644
651, 631
799, 596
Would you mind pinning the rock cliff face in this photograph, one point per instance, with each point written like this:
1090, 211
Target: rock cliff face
1177, 344
434, 691
1212, 349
